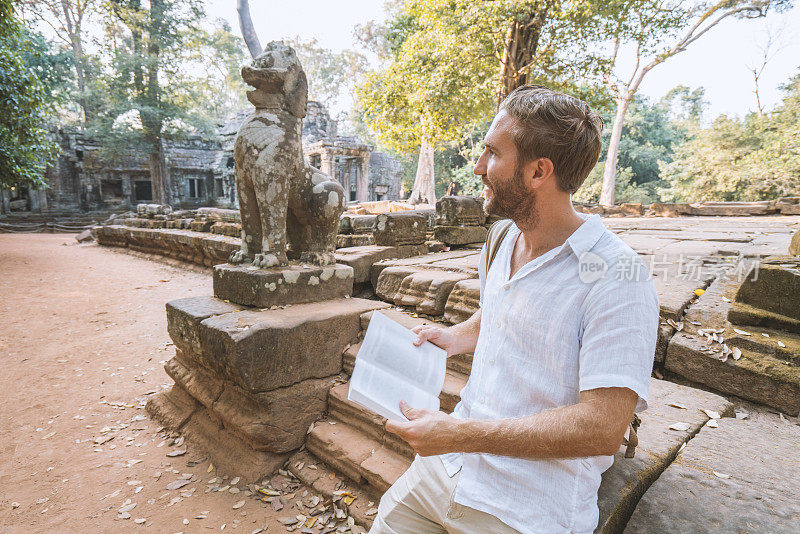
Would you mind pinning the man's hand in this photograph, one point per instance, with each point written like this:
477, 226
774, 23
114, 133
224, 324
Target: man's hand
441, 337
428, 433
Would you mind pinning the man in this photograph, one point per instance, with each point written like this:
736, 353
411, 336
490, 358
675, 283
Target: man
563, 346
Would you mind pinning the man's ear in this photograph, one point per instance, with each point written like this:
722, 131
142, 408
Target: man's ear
538, 171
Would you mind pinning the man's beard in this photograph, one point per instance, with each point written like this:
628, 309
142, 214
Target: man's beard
511, 200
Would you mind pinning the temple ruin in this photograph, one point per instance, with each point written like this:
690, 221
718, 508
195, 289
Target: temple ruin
88, 176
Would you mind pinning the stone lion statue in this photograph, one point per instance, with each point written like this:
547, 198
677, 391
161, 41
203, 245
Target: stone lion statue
290, 210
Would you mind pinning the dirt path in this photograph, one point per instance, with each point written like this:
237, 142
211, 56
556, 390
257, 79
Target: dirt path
82, 344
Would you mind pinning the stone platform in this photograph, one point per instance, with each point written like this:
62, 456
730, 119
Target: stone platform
246, 389
278, 286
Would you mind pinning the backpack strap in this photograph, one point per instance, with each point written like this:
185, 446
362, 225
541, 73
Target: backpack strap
497, 232
633, 439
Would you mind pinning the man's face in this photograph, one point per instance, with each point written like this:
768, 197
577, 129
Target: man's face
506, 192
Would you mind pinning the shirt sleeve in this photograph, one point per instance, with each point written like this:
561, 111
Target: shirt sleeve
620, 329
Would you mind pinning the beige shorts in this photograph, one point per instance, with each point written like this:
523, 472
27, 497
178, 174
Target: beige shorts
421, 501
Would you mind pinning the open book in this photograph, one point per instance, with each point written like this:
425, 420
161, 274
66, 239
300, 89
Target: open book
389, 368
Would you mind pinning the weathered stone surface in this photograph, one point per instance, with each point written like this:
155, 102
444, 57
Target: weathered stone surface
261, 350
661, 209
427, 290
756, 492
354, 240
460, 235
201, 225
172, 408
368, 422
231, 455
151, 210
460, 210
628, 478
275, 421
292, 284
226, 228
389, 281
288, 208
218, 215
361, 258
363, 224
455, 260
794, 246
355, 455
400, 228
770, 295
766, 373
184, 316
765, 207
111, 236
463, 301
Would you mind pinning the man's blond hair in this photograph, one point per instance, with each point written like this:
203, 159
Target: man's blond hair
556, 126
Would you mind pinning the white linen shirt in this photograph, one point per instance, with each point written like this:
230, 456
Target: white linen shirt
547, 334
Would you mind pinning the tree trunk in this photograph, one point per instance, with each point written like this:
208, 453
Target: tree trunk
159, 174
246, 26
522, 40
74, 33
424, 191
610, 170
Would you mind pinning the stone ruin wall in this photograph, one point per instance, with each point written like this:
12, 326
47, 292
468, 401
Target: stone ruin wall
201, 171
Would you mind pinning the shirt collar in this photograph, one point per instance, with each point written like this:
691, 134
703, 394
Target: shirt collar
587, 234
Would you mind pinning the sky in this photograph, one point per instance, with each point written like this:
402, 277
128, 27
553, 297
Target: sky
718, 61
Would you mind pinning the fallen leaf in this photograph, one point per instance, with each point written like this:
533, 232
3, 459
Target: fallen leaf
238, 505
781, 344
721, 475
677, 405
14, 505
742, 415
178, 484
742, 332
176, 452
736, 353
679, 426
712, 423
210, 468
235, 480
726, 299
699, 292
127, 508
372, 511
140, 520
710, 413
185, 521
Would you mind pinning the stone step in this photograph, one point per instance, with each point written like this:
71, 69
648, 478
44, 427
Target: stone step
370, 423
743, 476
356, 455
766, 373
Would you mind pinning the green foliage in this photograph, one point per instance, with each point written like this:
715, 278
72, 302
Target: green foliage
25, 148
443, 73
52, 66
329, 73
148, 44
755, 158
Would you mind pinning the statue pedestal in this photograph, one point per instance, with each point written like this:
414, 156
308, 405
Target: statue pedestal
278, 286
249, 382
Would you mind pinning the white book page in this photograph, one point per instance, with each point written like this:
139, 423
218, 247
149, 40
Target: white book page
389, 368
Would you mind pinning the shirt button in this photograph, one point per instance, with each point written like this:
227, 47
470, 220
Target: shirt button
483, 400
498, 324
491, 362
507, 286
